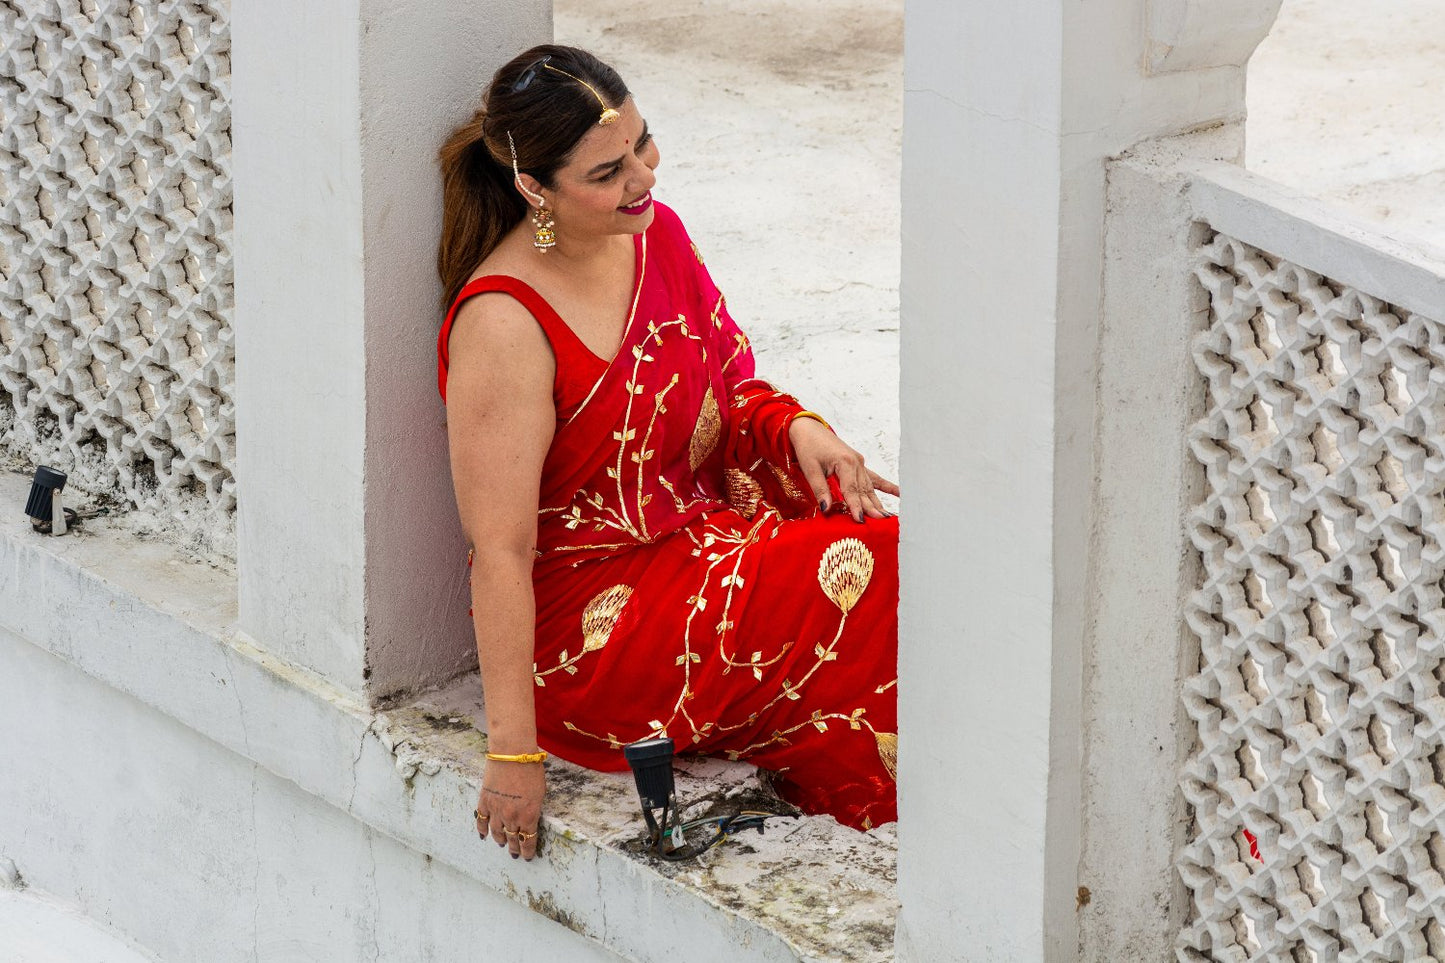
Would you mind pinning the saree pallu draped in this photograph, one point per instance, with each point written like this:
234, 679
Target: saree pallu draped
686, 583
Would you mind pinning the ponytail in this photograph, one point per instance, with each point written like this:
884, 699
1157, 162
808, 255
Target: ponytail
479, 206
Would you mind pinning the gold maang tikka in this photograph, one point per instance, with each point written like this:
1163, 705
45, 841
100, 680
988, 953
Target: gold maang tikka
545, 238
609, 114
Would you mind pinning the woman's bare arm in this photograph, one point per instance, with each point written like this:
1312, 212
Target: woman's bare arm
500, 420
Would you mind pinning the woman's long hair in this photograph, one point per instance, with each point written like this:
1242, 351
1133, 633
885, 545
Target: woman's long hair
547, 113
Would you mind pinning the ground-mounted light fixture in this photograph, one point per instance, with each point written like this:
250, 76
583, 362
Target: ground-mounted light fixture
48, 515
651, 762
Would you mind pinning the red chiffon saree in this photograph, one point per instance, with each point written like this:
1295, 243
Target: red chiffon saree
686, 583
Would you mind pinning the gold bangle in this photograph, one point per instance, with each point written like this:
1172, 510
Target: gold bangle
538, 756
815, 416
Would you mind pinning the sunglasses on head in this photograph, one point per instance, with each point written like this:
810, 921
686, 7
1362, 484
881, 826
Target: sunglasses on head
529, 75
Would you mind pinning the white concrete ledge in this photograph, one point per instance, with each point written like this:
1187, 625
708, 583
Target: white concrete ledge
1321, 237
134, 614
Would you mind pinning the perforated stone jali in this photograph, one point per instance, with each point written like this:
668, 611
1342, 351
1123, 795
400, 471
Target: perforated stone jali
116, 352
1320, 695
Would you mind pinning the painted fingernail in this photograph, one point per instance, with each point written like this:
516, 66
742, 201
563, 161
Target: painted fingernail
516, 855
823, 507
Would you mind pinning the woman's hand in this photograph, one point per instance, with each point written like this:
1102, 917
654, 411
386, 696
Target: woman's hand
821, 453
509, 807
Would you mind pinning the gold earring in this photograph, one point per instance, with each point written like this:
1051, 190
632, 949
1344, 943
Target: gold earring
545, 238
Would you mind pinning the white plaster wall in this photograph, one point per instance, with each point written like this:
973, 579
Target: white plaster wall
1136, 737
980, 151
300, 365
199, 854
36, 927
1010, 113
350, 556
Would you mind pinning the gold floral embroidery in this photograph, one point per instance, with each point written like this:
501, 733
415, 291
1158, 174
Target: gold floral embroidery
885, 742
888, 751
790, 488
599, 618
706, 433
743, 493
844, 572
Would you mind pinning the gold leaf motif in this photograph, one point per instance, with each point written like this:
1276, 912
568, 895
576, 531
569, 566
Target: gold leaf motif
743, 493
600, 616
790, 487
705, 435
844, 572
888, 751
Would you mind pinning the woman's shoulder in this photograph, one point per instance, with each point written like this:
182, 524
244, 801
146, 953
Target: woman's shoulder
665, 222
668, 228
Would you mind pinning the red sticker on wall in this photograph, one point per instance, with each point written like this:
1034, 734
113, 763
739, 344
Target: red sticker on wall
1253, 845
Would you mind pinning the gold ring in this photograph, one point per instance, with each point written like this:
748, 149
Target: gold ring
526, 835
482, 817
511, 832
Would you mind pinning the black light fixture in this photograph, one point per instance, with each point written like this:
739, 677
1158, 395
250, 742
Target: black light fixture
651, 762
47, 514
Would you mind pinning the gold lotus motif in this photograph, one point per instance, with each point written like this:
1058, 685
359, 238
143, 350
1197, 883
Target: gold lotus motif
705, 435
600, 616
743, 492
888, 751
844, 572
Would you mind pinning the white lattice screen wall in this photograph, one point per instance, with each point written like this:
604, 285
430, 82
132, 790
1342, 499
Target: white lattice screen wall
116, 356
1320, 697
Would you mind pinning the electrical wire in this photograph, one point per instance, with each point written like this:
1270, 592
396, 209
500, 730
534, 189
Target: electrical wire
725, 826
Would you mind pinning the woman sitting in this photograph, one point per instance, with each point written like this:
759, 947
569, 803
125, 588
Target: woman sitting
663, 544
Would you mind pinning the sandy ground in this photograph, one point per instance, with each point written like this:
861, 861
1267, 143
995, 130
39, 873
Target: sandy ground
1346, 102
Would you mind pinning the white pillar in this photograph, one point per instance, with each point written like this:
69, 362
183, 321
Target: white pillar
350, 559
1010, 113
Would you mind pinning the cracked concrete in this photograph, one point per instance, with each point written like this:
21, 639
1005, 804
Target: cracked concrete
827, 890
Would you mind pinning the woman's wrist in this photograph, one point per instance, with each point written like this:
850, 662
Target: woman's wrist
511, 742
804, 422
812, 416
